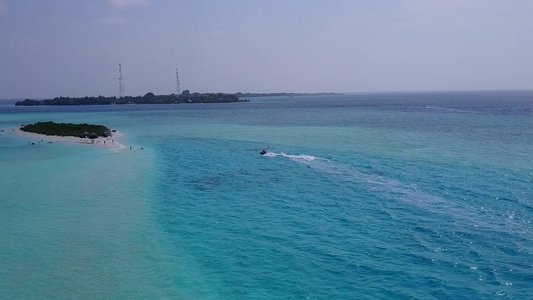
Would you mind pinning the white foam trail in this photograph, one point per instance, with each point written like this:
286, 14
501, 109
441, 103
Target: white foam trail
299, 158
373, 182
270, 154
408, 193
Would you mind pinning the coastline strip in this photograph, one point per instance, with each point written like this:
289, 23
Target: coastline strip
112, 142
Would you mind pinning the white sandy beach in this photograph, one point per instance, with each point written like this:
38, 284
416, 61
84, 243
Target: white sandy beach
112, 142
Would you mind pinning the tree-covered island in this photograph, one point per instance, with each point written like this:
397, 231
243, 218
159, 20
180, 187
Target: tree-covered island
149, 98
68, 129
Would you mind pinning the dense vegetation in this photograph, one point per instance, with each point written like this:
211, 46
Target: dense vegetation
149, 98
67, 129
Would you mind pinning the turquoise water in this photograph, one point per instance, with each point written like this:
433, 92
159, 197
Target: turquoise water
378, 196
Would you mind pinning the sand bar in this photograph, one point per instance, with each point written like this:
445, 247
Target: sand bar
112, 142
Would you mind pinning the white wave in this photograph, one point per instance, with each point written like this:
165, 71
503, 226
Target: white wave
451, 109
118, 147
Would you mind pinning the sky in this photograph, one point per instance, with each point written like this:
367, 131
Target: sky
52, 48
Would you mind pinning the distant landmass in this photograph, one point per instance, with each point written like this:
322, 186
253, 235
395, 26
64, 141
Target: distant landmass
149, 98
251, 95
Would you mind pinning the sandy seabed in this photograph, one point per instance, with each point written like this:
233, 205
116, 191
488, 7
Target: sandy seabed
112, 142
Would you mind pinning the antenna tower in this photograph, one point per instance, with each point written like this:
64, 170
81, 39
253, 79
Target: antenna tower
178, 90
120, 83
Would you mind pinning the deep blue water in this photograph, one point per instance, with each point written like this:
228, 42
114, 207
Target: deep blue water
376, 196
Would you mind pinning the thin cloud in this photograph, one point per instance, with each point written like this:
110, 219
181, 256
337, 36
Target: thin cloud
112, 21
28, 44
218, 34
125, 4
3, 8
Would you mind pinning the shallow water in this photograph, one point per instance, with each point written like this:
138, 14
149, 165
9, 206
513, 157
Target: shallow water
404, 196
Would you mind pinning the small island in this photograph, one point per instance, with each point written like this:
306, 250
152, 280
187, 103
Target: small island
68, 133
68, 129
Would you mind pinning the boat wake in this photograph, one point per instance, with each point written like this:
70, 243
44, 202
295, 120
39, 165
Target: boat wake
394, 189
302, 158
369, 180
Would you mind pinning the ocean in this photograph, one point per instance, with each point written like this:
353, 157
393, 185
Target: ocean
360, 196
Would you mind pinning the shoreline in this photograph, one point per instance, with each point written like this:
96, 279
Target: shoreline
112, 142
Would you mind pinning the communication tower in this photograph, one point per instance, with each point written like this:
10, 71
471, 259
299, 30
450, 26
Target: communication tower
120, 83
178, 90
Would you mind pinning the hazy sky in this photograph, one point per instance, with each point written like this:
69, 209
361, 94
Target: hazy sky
54, 48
